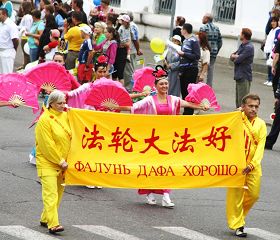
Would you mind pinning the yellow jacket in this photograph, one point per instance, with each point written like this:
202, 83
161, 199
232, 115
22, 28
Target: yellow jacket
53, 138
255, 137
74, 38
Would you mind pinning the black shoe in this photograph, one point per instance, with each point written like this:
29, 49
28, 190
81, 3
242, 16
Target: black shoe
268, 147
44, 224
239, 232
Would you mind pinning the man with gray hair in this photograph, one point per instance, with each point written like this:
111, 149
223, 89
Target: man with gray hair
215, 42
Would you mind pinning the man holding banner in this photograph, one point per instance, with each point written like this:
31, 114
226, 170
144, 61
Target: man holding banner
241, 200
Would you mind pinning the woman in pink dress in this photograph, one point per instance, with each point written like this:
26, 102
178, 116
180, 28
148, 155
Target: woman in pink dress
160, 104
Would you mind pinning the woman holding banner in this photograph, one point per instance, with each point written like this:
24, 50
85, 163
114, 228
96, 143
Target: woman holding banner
160, 104
53, 137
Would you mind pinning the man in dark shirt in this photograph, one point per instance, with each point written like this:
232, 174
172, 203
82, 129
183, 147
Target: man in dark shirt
243, 59
275, 128
190, 54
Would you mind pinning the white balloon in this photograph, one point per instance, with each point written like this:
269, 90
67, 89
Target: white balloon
26, 48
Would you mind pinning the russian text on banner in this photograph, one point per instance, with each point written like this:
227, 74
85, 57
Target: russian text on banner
152, 151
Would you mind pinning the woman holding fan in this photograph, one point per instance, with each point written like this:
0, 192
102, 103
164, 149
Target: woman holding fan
160, 104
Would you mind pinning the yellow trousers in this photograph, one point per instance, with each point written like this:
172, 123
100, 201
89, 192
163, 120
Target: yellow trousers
240, 201
52, 192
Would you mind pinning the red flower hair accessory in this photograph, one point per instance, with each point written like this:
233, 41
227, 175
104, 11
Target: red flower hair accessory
102, 59
160, 72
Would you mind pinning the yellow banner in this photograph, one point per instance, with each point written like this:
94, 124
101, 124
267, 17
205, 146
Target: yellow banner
155, 152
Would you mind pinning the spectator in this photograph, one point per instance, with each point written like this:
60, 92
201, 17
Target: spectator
112, 19
45, 37
9, 6
77, 6
172, 61
49, 10
58, 17
275, 129
34, 35
179, 22
101, 12
9, 41
74, 38
124, 47
85, 56
109, 47
243, 60
268, 48
190, 54
52, 46
25, 26
43, 3
215, 41
204, 60
135, 51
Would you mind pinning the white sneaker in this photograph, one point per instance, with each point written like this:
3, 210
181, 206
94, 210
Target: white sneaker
266, 82
98, 187
32, 159
167, 204
91, 187
269, 84
151, 201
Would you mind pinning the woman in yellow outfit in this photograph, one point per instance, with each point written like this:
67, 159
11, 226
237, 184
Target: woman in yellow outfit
53, 137
241, 200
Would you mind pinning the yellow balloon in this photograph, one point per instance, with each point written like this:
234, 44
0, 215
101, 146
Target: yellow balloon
157, 45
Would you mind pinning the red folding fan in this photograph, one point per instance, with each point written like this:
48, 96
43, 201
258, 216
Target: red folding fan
105, 93
15, 89
143, 77
49, 76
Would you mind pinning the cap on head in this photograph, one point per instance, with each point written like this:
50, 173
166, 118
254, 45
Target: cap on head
177, 37
55, 33
124, 18
86, 29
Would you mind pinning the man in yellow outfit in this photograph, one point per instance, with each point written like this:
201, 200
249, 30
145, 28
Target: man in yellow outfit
53, 137
241, 200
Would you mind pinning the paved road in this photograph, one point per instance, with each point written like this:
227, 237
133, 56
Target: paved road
120, 213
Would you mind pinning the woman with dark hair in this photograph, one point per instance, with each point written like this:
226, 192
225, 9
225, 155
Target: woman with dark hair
34, 34
160, 104
109, 46
45, 37
179, 22
101, 12
204, 56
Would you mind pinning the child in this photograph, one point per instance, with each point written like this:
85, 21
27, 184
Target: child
85, 56
51, 48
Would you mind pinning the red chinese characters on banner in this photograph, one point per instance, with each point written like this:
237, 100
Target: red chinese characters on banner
122, 139
217, 138
92, 142
151, 141
184, 144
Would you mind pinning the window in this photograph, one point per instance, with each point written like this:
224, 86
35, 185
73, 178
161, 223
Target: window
115, 3
224, 11
165, 6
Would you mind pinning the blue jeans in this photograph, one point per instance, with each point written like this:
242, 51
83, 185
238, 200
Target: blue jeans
33, 54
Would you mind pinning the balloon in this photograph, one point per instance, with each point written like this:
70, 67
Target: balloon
26, 48
97, 2
157, 45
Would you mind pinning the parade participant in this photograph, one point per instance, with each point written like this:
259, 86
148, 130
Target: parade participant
160, 104
77, 97
241, 200
53, 137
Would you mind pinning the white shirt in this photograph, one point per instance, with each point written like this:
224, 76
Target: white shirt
8, 31
26, 22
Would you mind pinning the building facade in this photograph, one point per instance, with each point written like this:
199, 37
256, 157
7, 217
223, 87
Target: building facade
154, 18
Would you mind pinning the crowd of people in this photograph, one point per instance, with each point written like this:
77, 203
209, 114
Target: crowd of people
100, 43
